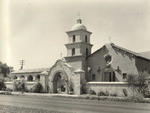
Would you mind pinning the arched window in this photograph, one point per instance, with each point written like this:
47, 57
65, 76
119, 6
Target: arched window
108, 58
15, 77
73, 51
87, 52
22, 76
30, 78
38, 77
86, 38
74, 38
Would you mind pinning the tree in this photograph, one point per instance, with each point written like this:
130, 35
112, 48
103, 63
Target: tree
37, 88
2, 85
139, 83
4, 69
20, 85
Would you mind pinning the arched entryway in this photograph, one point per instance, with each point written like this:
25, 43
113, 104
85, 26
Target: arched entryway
60, 82
59, 77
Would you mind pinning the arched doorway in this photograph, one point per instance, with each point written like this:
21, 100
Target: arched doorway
60, 83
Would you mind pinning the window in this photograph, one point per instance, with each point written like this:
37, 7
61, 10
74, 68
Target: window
74, 38
86, 38
73, 51
15, 77
30, 78
38, 77
87, 52
108, 58
109, 77
93, 77
124, 75
113, 77
22, 76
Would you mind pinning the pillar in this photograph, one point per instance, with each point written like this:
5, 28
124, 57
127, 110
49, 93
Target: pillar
79, 77
44, 81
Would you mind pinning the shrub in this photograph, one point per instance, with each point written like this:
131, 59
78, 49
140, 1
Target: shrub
2, 85
125, 92
20, 85
114, 94
147, 94
8, 89
101, 93
8, 93
37, 88
138, 83
16, 86
71, 87
83, 87
136, 98
91, 92
106, 93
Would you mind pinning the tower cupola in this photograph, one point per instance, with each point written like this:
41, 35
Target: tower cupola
78, 25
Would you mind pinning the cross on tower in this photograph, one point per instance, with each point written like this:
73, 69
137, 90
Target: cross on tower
79, 15
109, 38
61, 55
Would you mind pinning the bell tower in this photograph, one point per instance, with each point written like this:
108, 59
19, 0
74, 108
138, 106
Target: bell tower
78, 46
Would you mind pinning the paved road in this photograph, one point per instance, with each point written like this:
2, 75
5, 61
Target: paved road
74, 105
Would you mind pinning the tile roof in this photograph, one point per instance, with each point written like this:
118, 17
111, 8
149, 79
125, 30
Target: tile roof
123, 49
31, 70
129, 51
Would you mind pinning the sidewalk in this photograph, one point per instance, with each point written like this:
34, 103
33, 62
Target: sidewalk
92, 97
44, 94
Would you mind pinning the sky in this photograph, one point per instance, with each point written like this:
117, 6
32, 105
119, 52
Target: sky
35, 30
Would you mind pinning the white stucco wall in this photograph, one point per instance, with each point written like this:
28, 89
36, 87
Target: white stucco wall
28, 84
111, 87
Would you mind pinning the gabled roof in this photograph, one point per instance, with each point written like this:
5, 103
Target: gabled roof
145, 54
38, 70
121, 48
129, 51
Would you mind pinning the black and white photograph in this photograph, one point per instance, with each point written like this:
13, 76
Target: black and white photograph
74, 56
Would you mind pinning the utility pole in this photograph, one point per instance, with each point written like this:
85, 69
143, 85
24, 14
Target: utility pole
22, 62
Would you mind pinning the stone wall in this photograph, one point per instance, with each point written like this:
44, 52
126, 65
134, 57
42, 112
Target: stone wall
110, 87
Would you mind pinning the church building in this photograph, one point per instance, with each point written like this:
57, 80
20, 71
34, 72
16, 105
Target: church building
110, 64
105, 69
